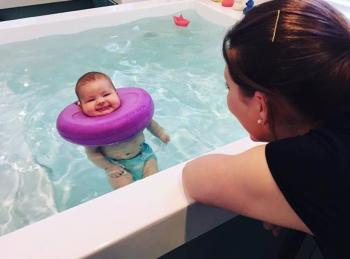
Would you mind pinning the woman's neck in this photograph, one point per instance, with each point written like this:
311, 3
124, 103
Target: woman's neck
293, 130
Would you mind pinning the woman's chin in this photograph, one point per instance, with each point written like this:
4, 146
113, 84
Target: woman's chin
253, 138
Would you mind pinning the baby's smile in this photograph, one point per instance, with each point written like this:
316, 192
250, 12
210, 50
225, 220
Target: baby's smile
103, 108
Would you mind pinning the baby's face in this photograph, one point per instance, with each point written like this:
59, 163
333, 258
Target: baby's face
98, 98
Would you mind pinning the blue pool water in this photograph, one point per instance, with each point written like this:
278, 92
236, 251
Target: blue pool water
42, 174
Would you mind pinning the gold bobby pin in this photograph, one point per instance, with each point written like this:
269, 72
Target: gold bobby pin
276, 23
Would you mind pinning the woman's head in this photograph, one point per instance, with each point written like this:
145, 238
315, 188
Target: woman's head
96, 94
296, 53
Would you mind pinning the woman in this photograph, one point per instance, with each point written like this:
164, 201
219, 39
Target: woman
288, 78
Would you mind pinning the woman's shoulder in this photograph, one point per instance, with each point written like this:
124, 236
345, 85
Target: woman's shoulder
322, 144
312, 172
321, 155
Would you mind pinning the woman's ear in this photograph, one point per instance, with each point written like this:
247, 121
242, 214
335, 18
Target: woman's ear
262, 107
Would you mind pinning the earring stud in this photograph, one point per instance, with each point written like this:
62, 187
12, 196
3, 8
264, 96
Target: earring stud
259, 121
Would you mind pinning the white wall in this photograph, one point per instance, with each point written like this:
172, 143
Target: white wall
132, 1
16, 3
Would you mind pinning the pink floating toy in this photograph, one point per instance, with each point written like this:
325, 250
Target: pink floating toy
181, 21
133, 116
227, 3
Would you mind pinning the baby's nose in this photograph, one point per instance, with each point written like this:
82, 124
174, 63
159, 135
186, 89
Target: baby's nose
100, 100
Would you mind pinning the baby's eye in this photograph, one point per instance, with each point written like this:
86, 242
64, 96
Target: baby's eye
227, 87
127, 154
90, 100
105, 95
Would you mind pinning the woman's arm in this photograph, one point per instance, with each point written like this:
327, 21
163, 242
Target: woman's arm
241, 183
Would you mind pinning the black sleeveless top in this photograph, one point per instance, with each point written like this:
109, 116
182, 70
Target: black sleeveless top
313, 173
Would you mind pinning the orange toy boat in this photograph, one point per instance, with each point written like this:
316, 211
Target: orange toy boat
181, 21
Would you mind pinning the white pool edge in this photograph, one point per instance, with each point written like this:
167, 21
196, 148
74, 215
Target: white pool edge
34, 27
143, 220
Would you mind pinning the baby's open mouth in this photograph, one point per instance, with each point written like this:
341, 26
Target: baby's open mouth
104, 108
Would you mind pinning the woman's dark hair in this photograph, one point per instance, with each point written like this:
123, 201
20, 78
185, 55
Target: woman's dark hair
294, 50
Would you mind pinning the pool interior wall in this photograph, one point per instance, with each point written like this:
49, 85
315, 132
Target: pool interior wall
96, 228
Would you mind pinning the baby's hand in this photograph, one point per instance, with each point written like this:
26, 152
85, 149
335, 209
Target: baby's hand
119, 177
114, 171
164, 137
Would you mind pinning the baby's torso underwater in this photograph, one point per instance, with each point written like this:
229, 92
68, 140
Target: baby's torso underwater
136, 164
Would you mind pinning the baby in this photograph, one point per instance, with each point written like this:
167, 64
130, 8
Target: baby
126, 161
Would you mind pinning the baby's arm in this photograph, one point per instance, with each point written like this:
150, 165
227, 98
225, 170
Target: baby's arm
96, 157
118, 176
158, 131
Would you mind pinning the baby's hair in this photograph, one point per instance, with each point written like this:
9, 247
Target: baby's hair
90, 77
306, 64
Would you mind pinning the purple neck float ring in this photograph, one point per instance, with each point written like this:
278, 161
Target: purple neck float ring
133, 115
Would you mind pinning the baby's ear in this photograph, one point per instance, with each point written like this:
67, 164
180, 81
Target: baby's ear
78, 103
